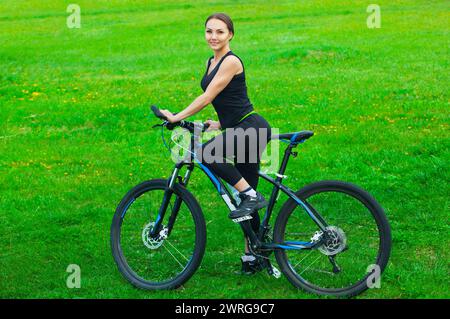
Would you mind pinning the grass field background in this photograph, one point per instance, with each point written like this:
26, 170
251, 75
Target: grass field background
75, 130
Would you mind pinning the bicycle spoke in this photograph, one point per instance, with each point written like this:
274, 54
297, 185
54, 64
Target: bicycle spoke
181, 265
303, 258
310, 265
167, 241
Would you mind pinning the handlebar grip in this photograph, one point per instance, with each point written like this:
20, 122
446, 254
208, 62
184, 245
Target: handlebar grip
170, 126
157, 113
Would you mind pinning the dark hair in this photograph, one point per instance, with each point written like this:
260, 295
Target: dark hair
224, 18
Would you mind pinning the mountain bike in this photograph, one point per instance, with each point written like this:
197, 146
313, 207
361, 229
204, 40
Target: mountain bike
329, 238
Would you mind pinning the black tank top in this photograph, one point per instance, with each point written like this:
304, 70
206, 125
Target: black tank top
232, 103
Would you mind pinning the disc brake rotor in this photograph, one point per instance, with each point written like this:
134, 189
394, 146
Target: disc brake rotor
153, 243
335, 242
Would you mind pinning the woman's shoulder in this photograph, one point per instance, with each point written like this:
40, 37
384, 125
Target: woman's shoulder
232, 57
233, 61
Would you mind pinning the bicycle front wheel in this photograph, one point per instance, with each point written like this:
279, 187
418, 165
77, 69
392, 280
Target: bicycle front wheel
169, 260
354, 249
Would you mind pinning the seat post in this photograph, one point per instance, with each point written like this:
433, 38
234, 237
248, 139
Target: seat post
287, 154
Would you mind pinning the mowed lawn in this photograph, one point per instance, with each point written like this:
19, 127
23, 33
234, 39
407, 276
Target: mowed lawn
75, 131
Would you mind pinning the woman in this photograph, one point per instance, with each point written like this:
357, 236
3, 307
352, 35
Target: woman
224, 86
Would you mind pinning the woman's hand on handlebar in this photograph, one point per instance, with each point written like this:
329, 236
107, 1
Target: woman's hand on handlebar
170, 117
213, 125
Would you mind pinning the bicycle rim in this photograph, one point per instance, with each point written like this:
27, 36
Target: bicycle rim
157, 262
356, 227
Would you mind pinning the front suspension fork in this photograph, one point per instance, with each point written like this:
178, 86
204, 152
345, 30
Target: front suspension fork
166, 200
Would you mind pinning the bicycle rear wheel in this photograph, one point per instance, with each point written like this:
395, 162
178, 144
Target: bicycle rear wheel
165, 262
355, 249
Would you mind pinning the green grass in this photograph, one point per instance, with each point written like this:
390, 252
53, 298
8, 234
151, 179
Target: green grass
75, 132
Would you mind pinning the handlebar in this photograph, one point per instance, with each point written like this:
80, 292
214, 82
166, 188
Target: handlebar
190, 126
157, 112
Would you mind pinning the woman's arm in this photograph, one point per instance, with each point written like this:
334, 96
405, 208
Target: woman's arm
230, 66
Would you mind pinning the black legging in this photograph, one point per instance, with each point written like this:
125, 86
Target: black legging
246, 161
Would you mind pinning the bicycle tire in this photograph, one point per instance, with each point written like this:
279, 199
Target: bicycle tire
349, 189
200, 235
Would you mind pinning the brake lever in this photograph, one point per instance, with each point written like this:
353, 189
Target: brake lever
163, 124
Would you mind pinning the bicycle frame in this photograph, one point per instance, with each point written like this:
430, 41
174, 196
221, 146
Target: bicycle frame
256, 240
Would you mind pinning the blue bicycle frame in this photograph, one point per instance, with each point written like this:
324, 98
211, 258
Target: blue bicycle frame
256, 240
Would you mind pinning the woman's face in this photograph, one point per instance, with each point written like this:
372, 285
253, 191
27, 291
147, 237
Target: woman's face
217, 34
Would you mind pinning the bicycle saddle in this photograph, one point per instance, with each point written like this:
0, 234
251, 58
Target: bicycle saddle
295, 137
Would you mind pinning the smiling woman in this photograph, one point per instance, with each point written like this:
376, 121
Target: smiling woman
225, 88
222, 33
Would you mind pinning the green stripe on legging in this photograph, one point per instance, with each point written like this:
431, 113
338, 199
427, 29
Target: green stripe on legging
243, 118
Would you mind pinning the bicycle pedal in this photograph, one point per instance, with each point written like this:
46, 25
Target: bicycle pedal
241, 219
275, 272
